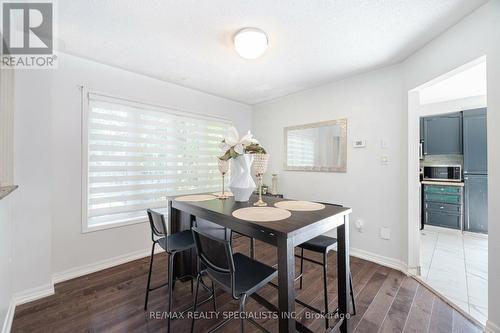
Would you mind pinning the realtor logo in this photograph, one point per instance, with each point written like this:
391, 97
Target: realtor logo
28, 35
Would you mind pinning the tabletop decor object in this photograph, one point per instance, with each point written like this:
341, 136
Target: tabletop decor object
223, 169
261, 214
299, 205
240, 154
196, 197
274, 184
259, 169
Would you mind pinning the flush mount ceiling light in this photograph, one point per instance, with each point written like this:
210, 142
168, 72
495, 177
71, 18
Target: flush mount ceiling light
250, 43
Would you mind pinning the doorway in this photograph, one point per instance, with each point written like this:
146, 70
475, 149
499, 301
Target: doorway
448, 243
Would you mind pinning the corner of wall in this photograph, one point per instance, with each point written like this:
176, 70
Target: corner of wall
9, 317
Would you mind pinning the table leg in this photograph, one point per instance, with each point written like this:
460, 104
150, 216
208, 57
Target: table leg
286, 290
343, 272
185, 263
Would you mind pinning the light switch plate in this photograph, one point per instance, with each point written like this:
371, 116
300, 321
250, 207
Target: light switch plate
384, 160
359, 143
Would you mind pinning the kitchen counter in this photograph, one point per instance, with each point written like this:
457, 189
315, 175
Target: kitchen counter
6, 190
432, 182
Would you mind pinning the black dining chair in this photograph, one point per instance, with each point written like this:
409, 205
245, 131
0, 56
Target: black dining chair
172, 244
322, 244
236, 273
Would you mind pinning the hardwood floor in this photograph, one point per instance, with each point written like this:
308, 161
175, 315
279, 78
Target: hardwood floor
112, 301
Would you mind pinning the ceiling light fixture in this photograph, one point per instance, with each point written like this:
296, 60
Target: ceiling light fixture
250, 43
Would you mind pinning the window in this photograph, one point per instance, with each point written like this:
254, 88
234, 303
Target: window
135, 155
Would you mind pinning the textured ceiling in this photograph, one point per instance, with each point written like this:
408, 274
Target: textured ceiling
189, 42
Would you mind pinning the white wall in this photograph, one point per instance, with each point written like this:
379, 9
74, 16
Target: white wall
52, 147
31, 209
373, 106
476, 35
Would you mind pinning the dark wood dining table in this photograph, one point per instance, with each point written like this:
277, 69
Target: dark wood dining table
285, 234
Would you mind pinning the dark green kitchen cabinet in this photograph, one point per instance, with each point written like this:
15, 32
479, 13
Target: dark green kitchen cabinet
443, 206
443, 134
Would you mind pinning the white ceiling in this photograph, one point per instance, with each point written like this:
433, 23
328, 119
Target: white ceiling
189, 42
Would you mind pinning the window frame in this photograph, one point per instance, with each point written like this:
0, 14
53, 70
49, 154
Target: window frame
85, 107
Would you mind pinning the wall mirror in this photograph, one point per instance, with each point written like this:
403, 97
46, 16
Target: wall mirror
317, 147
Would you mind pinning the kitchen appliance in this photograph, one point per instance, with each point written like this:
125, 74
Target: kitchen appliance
449, 173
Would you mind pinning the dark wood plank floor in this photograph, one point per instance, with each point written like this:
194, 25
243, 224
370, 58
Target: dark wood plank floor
112, 301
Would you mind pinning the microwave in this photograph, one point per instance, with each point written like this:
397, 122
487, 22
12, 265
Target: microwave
450, 173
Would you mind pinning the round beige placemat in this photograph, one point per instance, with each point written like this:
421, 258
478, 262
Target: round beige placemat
261, 214
196, 197
297, 205
227, 193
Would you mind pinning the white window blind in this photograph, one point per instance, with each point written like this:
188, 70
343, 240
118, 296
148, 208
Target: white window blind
137, 155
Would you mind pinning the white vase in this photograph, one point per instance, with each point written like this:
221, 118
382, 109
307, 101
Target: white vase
241, 182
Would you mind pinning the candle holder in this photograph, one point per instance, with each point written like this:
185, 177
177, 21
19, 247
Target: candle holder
259, 168
223, 169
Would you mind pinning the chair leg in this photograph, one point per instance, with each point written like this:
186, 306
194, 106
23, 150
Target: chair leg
325, 287
149, 276
195, 303
213, 297
352, 295
242, 309
171, 286
301, 266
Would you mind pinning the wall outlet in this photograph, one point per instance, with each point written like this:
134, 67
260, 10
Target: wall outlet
385, 233
384, 144
359, 225
384, 160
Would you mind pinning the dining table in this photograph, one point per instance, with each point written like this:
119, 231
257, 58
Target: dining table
284, 234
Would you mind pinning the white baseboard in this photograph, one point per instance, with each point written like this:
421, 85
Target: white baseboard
100, 265
491, 327
9, 317
48, 290
33, 294
378, 259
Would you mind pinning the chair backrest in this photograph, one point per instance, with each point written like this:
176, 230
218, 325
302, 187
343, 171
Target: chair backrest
157, 224
216, 254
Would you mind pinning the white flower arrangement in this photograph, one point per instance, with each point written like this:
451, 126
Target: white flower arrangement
233, 146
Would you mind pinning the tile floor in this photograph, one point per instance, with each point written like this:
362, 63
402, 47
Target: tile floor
456, 265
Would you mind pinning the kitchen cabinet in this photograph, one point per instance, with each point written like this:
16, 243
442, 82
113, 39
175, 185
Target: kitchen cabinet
421, 129
476, 203
475, 142
443, 206
475, 170
443, 134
